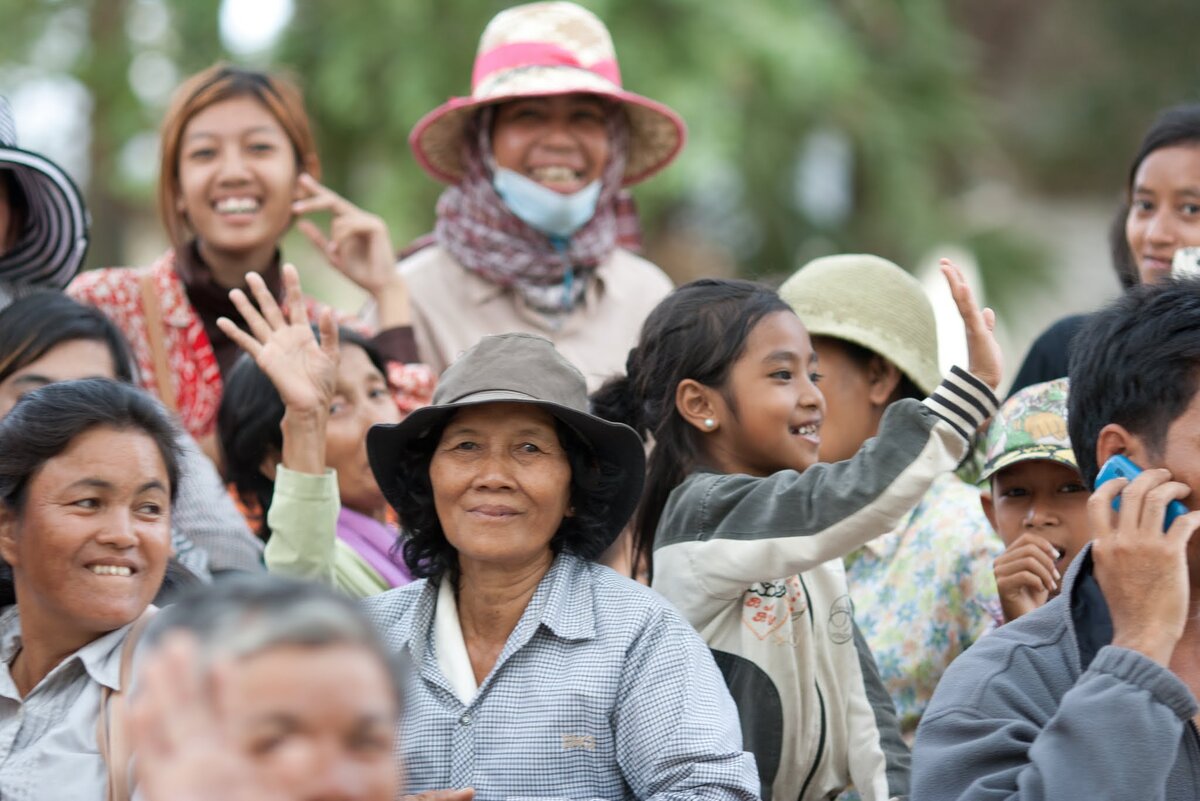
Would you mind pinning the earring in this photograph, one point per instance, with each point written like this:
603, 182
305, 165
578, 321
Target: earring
709, 423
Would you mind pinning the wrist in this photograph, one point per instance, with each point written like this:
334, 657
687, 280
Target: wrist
1151, 642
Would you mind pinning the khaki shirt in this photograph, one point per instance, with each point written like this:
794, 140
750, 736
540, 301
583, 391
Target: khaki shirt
454, 308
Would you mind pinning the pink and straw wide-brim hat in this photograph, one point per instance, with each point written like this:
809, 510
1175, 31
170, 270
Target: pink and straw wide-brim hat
547, 49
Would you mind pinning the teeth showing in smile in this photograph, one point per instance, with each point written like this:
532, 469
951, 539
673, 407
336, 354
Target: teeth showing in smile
237, 205
111, 570
806, 430
553, 174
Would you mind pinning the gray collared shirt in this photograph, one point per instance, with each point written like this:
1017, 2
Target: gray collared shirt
602, 692
48, 747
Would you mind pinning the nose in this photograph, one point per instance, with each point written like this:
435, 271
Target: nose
1041, 513
811, 397
1161, 228
118, 529
337, 777
494, 471
232, 168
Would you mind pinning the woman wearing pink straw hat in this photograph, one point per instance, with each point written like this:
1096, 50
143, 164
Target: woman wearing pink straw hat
528, 233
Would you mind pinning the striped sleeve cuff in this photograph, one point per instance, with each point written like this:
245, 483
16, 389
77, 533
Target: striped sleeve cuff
963, 401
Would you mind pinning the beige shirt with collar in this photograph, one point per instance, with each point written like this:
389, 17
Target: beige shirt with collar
454, 308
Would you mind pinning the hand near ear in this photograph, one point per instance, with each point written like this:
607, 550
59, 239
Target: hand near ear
984, 358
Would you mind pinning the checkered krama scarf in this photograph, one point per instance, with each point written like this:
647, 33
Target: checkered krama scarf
478, 230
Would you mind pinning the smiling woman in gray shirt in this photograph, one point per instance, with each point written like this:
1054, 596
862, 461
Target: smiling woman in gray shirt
88, 471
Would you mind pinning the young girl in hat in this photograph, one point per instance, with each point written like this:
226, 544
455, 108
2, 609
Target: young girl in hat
239, 164
531, 230
746, 531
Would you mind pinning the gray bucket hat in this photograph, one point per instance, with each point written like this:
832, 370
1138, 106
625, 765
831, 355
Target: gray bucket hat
514, 368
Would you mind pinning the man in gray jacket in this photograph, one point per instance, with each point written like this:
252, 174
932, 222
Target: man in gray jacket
1093, 696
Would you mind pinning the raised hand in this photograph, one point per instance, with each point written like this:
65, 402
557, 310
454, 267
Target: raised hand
1142, 571
303, 370
358, 244
184, 748
1026, 575
984, 358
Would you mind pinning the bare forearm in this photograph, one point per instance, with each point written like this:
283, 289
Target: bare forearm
304, 441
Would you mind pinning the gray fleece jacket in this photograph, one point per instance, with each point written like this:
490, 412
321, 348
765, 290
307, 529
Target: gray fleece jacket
1045, 708
755, 564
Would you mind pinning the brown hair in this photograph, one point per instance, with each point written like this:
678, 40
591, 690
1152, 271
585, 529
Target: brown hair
277, 94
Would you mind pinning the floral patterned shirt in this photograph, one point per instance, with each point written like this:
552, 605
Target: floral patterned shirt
924, 592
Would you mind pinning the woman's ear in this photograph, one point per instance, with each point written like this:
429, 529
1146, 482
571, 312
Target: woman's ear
698, 405
270, 464
8, 535
882, 379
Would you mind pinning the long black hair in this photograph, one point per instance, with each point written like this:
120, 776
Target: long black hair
1179, 125
696, 332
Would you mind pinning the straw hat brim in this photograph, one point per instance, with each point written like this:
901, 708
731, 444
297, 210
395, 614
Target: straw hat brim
390, 446
52, 247
656, 132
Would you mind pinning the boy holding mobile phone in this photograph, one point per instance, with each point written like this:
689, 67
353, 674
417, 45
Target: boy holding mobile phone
1091, 695
1035, 498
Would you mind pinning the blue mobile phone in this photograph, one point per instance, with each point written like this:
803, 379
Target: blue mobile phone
1120, 466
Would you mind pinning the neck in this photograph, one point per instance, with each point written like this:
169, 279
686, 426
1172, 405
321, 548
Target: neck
491, 598
45, 643
378, 513
229, 269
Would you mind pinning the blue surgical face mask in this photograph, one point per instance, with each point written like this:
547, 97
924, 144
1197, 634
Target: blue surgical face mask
543, 209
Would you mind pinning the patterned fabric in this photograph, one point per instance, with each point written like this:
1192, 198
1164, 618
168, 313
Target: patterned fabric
602, 691
195, 373
48, 749
924, 592
478, 230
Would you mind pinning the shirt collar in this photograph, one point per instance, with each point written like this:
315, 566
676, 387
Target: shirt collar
101, 658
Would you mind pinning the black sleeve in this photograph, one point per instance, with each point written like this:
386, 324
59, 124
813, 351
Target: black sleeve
1049, 354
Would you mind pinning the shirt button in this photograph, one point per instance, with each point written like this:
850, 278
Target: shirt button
465, 719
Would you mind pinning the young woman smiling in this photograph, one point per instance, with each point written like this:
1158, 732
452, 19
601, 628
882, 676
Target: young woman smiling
239, 164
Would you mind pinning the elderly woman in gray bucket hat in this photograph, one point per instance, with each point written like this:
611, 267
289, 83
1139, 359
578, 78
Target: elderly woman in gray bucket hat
537, 672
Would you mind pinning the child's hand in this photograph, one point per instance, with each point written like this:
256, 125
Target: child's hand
984, 359
302, 370
1026, 575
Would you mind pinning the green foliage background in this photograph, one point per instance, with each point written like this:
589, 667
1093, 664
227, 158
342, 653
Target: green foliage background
934, 97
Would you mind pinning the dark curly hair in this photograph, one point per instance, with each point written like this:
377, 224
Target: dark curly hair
594, 486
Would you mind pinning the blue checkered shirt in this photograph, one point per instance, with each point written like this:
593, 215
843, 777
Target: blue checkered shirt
602, 692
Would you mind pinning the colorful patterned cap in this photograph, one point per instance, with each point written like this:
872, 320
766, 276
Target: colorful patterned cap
1030, 425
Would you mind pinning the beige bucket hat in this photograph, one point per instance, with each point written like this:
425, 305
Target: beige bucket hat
547, 49
873, 303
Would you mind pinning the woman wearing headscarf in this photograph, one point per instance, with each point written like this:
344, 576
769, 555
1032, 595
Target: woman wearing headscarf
530, 230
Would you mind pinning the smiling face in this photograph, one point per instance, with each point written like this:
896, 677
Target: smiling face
319, 722
1038, 496
361, 400
90, 543
560, 141
851, 416
501, 484
237, 179
68, 361
1164, 213
772, 417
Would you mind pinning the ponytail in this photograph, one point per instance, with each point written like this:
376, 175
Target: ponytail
696, 332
